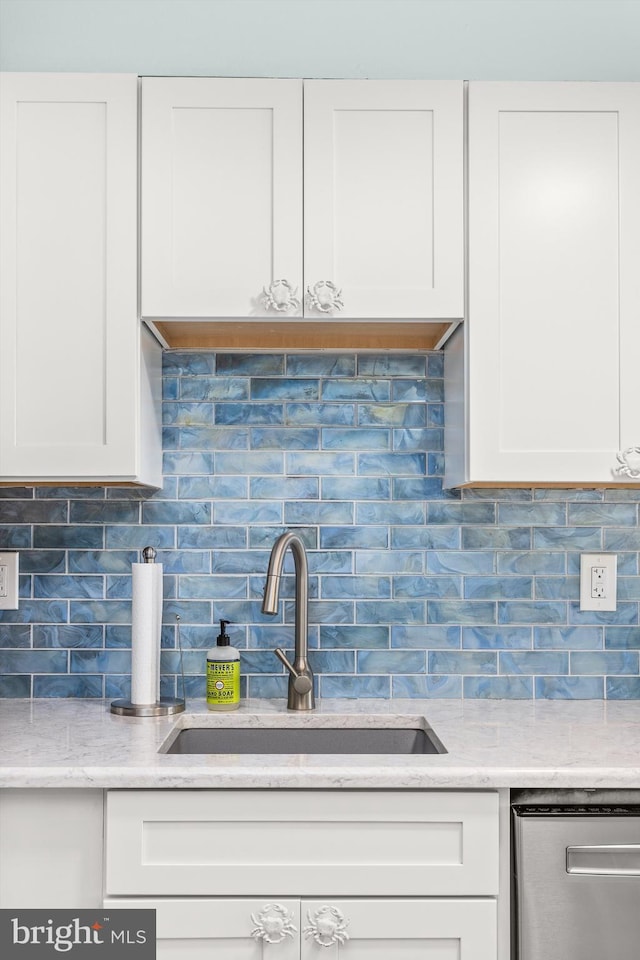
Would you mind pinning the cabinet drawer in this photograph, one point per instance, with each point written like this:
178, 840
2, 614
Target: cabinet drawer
301, 843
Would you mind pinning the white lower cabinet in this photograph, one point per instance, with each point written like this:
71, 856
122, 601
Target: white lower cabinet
356, 929
355, 874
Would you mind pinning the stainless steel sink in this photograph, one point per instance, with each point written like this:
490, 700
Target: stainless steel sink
305, 739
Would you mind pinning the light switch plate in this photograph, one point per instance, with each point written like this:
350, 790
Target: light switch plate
598, 581
9, 568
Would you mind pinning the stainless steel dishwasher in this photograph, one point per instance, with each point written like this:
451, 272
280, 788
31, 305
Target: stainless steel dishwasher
576, 873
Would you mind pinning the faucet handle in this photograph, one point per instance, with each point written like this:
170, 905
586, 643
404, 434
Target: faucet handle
301, 682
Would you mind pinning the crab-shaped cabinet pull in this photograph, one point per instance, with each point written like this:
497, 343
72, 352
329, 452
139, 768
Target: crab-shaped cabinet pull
326, 926
273, 924
629, 463
280, 295
324, 296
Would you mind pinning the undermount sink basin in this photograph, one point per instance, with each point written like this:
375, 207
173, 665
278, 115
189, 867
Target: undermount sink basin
306, 739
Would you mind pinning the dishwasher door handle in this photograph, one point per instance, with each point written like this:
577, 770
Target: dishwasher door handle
605, 860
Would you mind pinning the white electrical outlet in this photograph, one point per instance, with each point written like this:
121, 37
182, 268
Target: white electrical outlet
9, 581
598, 575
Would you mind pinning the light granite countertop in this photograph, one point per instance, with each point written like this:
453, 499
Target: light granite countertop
79, 743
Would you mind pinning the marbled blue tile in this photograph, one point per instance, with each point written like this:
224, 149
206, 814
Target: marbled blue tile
105, 661
426, 687
392, 415
37, 611
33, 661
324, 611
234, 413
137, 538
78, 537
191, 462
284, 388
15, 687
375, 512
355, 438
555, 493
176, 512
390, 611
427, 538
567, 538
508, 494
435, 415
16, 493
24, 586
233, 437
214, 388
42, 561
433, 637
368, 687
427, 587
537, 611
13, 635
320, 464
420, 390
187, 414
363, 538
567, 638
460, 561
326, 662
463, 662
463, 512
390, 561
187, 363
247, 511
431, 438
557, 588
263, 538
321, 365
267, 687
497, 688
331, 561
72, 587
623, 688
250, 463
337, 636
604, 514
170, 388
622, 638
100, 611
531, 562
268, 637
628, 588
212, 587
356, 488
356, 389
461, 611
435, 364
284, 488
213, 488
391, 661
285, 438
418, 488
496, 638
569, 688
33, 511
79, 686
67, 635
323, 414
189, 611
498, 588
533, 662
605, 663
250, 364
311, 512
391, 365
185, 561
532, 514
625, 614
618, 539
496, 538
338, 588
391, 464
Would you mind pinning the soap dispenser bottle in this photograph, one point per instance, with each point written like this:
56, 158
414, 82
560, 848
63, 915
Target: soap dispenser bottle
223, 673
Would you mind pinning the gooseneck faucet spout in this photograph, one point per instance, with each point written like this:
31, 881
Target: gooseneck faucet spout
300, 674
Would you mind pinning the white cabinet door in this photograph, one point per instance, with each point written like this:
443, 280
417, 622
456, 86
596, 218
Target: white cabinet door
226, 929
221, 196
70, 349
383, 195
553, 339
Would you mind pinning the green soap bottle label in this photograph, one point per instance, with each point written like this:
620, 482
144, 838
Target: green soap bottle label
223, 681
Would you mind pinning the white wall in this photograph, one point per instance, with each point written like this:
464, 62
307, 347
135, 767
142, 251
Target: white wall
469, 39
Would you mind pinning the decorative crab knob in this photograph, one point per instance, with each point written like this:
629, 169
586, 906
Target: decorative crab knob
326, 926
280, 296
324, 296
629, 463
273, 924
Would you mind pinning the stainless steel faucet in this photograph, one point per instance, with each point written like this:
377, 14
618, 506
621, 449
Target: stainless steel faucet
300, 673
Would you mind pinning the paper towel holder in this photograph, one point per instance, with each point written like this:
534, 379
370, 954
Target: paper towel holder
165, 706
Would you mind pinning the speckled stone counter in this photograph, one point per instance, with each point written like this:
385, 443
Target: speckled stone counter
79, 743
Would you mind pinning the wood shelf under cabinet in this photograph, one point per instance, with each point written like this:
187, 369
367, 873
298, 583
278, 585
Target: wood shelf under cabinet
302, 335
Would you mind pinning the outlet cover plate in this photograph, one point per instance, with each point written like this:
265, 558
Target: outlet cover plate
9, 565
598, 581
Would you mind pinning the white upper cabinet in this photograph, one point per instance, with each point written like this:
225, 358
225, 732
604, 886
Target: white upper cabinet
550, 371
222, 199
383, 198
77, 381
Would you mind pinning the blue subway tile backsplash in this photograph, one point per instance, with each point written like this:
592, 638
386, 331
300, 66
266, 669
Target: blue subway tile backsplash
415, 591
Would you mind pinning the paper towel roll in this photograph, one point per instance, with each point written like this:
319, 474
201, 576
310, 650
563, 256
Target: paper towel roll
146, 621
